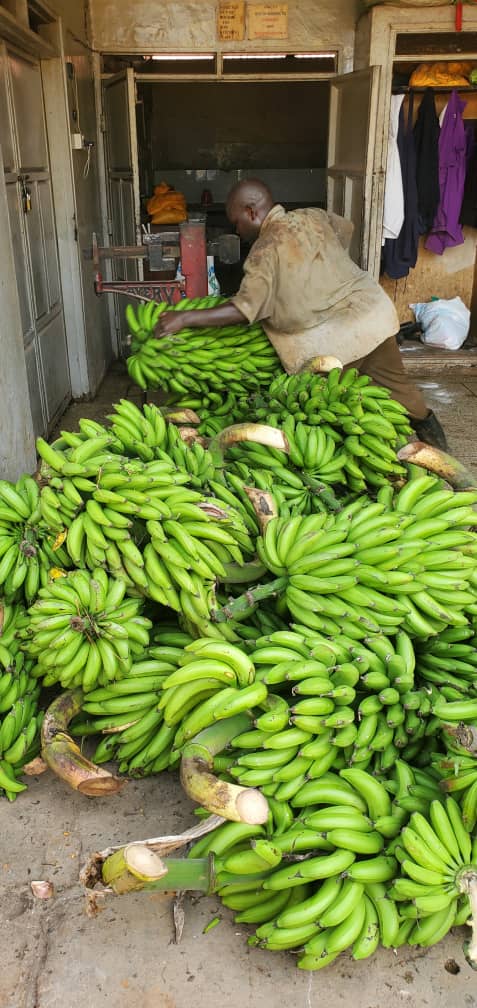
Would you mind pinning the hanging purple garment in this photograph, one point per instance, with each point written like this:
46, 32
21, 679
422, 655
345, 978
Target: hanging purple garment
446, 231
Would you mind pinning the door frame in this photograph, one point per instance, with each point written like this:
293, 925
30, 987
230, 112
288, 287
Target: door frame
128, 77
374, 184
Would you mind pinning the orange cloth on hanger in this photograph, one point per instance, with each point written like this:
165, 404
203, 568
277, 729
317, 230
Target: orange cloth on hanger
441, 75
166, 206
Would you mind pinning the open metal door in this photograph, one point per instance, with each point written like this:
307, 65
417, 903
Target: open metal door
122, 172
31, 212
355, 184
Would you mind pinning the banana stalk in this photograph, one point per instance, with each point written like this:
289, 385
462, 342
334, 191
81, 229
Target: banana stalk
64, 757
134, 868
238, 804
444, 465
92, 872
468, 884
323, 491
240, 605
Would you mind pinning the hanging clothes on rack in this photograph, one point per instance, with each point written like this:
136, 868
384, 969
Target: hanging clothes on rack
400, 254
446, 231
426, 136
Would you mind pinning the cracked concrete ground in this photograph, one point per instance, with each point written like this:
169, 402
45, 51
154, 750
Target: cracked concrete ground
55, 956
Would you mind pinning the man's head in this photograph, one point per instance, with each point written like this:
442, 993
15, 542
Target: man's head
248, 203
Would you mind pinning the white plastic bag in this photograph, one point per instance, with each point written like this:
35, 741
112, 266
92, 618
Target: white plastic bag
444, 323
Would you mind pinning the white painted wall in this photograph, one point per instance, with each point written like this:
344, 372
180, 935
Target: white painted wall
149, 25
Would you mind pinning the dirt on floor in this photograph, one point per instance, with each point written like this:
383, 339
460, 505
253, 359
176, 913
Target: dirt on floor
55, 955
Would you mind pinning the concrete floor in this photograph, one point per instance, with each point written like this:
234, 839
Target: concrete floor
54, 954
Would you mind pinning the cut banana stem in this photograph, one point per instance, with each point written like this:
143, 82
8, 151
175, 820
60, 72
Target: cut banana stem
130, 867
468, 884
64, 757
238, 804
323, 364
264, 505
465, 735
440, 463
183, 416
190, 436
260, 433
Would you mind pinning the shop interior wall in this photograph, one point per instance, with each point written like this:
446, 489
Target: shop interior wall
209, 135
190, 24
82, 119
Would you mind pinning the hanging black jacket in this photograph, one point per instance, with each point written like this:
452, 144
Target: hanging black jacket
426, 137
400, 254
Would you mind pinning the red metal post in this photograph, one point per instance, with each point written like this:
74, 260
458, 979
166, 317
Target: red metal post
194, 258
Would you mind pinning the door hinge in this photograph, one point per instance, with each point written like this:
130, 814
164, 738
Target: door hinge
110, 227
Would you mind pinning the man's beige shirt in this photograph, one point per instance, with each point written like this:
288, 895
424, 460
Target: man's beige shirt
310, 297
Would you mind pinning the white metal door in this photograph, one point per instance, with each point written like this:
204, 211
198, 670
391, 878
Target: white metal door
33, 233
124, 206
354, 186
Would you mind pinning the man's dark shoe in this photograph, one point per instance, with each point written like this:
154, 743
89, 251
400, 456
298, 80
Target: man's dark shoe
430, 431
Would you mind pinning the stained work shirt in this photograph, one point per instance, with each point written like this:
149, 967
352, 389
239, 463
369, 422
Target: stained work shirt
310, 297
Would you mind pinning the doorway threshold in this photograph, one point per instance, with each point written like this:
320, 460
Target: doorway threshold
420, 358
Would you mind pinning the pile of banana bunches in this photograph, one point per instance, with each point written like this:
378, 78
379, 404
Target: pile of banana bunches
340, 621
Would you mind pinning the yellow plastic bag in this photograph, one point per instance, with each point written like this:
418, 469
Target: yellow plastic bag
441, 75
166, 206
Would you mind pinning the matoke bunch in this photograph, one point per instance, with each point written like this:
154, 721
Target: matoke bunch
251, 586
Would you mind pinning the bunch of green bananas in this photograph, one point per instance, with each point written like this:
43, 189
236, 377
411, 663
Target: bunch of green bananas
20, 721
139, 431
341, 399
27, 549
376, 566
329, 879
449, 659
335, 702
83, 631
437, 858
126, 712
234, 358
191, 457
12, 619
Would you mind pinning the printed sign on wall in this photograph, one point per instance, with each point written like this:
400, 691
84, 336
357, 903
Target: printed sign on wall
268, 21
231, 20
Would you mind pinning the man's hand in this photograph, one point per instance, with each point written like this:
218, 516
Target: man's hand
199, 318
170, 322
